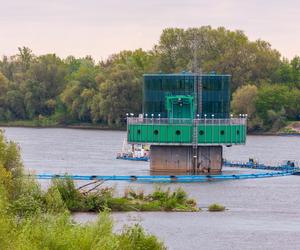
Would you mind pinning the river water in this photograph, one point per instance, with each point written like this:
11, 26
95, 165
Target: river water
262, 213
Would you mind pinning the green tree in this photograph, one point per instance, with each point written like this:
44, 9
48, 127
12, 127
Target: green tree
277, 101
79, 92
119, 95
3, 93
26, 56
15, 103
243, 100
218, 50
295, 65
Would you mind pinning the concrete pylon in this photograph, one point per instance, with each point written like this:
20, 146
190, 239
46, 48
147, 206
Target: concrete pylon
179, 159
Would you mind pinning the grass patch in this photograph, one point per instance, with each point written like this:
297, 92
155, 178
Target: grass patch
216, 208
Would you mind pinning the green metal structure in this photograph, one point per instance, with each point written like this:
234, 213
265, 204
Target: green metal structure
181, 131
186, 121
186, 109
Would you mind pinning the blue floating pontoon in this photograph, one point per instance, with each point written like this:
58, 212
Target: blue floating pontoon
145, 158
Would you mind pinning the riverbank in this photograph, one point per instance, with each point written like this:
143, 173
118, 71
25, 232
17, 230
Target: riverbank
292, 129
52, 124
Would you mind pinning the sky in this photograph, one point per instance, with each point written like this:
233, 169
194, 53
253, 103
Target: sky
101, 28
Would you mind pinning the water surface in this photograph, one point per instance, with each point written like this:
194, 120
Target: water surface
263, 213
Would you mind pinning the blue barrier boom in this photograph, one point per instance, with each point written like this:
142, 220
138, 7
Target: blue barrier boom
165, 178
277, 171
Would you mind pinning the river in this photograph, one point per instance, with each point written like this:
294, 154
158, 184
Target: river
262, 213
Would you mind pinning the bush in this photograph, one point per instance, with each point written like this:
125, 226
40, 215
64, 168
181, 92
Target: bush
30, 200
135, 238
216, 208
10, 160
97, 201
54, 202
69, 194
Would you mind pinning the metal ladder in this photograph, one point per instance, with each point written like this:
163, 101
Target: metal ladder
195, 127
199, 93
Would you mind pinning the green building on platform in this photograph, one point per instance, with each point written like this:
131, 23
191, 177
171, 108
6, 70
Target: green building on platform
186, 120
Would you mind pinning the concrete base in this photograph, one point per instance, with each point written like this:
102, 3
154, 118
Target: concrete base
180, 159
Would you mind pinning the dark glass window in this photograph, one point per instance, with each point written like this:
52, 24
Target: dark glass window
215, 93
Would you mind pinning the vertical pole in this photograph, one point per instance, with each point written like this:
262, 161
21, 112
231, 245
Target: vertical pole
152, 127
219, 132
246, 127
194, 124
230, 124
205, 130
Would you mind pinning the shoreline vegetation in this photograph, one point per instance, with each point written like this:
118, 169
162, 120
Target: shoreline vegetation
293, 128
94, 198
51, 124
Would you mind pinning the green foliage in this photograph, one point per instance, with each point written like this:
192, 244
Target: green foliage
216, 208
243, 100
103, 199
11, 168
173, 201
68, 193
46, 231
26, 205
135, 238
277, 103
272, 97
53, 201
218, 50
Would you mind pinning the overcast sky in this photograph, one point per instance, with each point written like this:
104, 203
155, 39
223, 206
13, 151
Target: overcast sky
100, 28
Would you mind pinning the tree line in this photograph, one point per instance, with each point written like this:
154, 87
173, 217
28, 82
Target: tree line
80, 90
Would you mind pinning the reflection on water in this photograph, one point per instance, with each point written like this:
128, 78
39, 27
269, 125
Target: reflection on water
263, 213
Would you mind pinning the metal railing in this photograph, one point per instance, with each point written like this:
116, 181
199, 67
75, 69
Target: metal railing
187, 121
